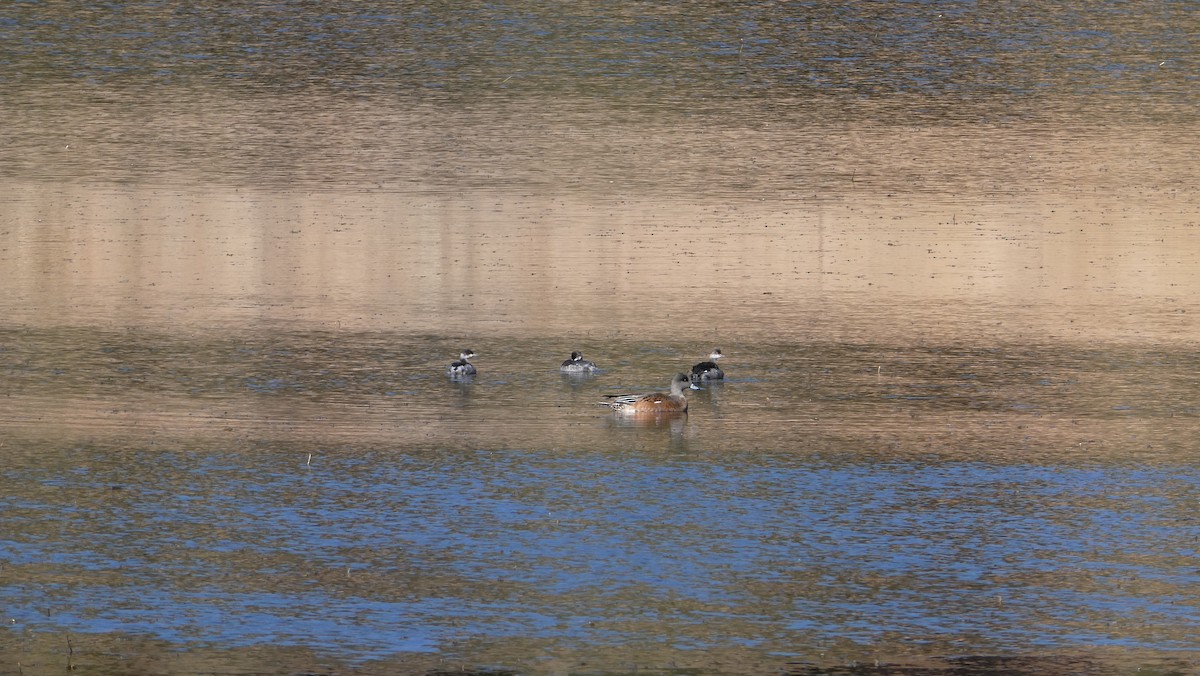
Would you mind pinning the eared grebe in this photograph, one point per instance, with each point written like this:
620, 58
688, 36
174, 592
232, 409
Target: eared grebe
708, 370
577, 364
462, 367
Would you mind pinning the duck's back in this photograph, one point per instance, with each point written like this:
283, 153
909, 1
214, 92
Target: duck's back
658, 403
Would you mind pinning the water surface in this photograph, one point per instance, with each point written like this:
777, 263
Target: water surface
949, 250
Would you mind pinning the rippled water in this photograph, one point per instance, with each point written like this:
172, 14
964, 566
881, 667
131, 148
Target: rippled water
949, 250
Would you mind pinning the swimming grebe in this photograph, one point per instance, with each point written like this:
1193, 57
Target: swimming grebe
463, 367
577, 364
708, 370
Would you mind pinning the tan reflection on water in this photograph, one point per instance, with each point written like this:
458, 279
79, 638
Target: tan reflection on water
1095, 246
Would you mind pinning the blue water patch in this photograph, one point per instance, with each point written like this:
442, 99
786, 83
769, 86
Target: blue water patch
691, 530
270, 385
362, 552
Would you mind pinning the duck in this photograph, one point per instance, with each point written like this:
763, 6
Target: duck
655, 402
462, 367
577, 364
708, 370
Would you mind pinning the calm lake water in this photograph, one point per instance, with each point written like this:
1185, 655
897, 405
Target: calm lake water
949, 250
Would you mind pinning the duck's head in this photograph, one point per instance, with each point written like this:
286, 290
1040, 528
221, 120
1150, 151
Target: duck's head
681, 382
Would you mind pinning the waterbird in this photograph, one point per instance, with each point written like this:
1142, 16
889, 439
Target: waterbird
655, 402
462, 366
577, 364
708, 370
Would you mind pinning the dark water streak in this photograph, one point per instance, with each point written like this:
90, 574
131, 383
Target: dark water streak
946, 53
